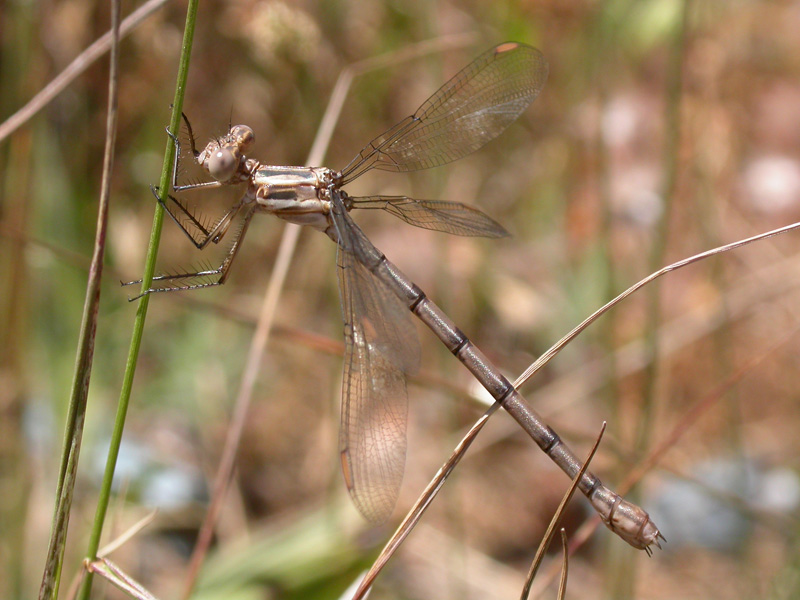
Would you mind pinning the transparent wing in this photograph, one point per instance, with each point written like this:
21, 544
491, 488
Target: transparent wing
381, 347
449, 217
474, 107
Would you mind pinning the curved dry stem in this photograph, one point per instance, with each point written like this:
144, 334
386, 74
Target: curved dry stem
583, 534
562, 584
82, 62
114, 574
551, 528
561, 344
690, 417
76, 415
420, 506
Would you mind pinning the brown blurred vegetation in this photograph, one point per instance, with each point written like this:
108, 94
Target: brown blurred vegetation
579, 181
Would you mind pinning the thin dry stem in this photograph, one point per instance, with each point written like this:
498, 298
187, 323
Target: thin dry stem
242, 404
562, 584
420, 506
558, 346
267, 315
583, 534
691, 416
82, 62
119, 578
128, 534
551, 528
73, 434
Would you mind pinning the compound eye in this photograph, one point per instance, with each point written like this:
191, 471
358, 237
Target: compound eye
223, 164
244, 137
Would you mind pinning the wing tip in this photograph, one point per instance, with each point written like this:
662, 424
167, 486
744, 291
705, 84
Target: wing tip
506, 47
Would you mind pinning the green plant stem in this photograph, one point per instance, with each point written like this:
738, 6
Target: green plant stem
621, 571
658, 249
141, 313
602, 39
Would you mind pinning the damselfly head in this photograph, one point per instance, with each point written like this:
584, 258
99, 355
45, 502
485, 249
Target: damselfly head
222, 158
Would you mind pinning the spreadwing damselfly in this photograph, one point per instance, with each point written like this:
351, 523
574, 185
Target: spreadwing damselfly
472, 108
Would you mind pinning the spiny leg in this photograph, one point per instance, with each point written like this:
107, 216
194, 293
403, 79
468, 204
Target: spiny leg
222, 270
176, 161
201, 235
202, 229
195, 151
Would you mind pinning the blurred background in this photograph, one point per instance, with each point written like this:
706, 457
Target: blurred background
622, 165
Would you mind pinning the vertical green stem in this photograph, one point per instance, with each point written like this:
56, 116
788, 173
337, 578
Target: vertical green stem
658, 249
141, 313
621, 573
602, 39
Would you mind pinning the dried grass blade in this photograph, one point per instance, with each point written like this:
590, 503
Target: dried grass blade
79, 392
551, 529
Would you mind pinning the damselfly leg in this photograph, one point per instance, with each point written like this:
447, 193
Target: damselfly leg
199, 232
